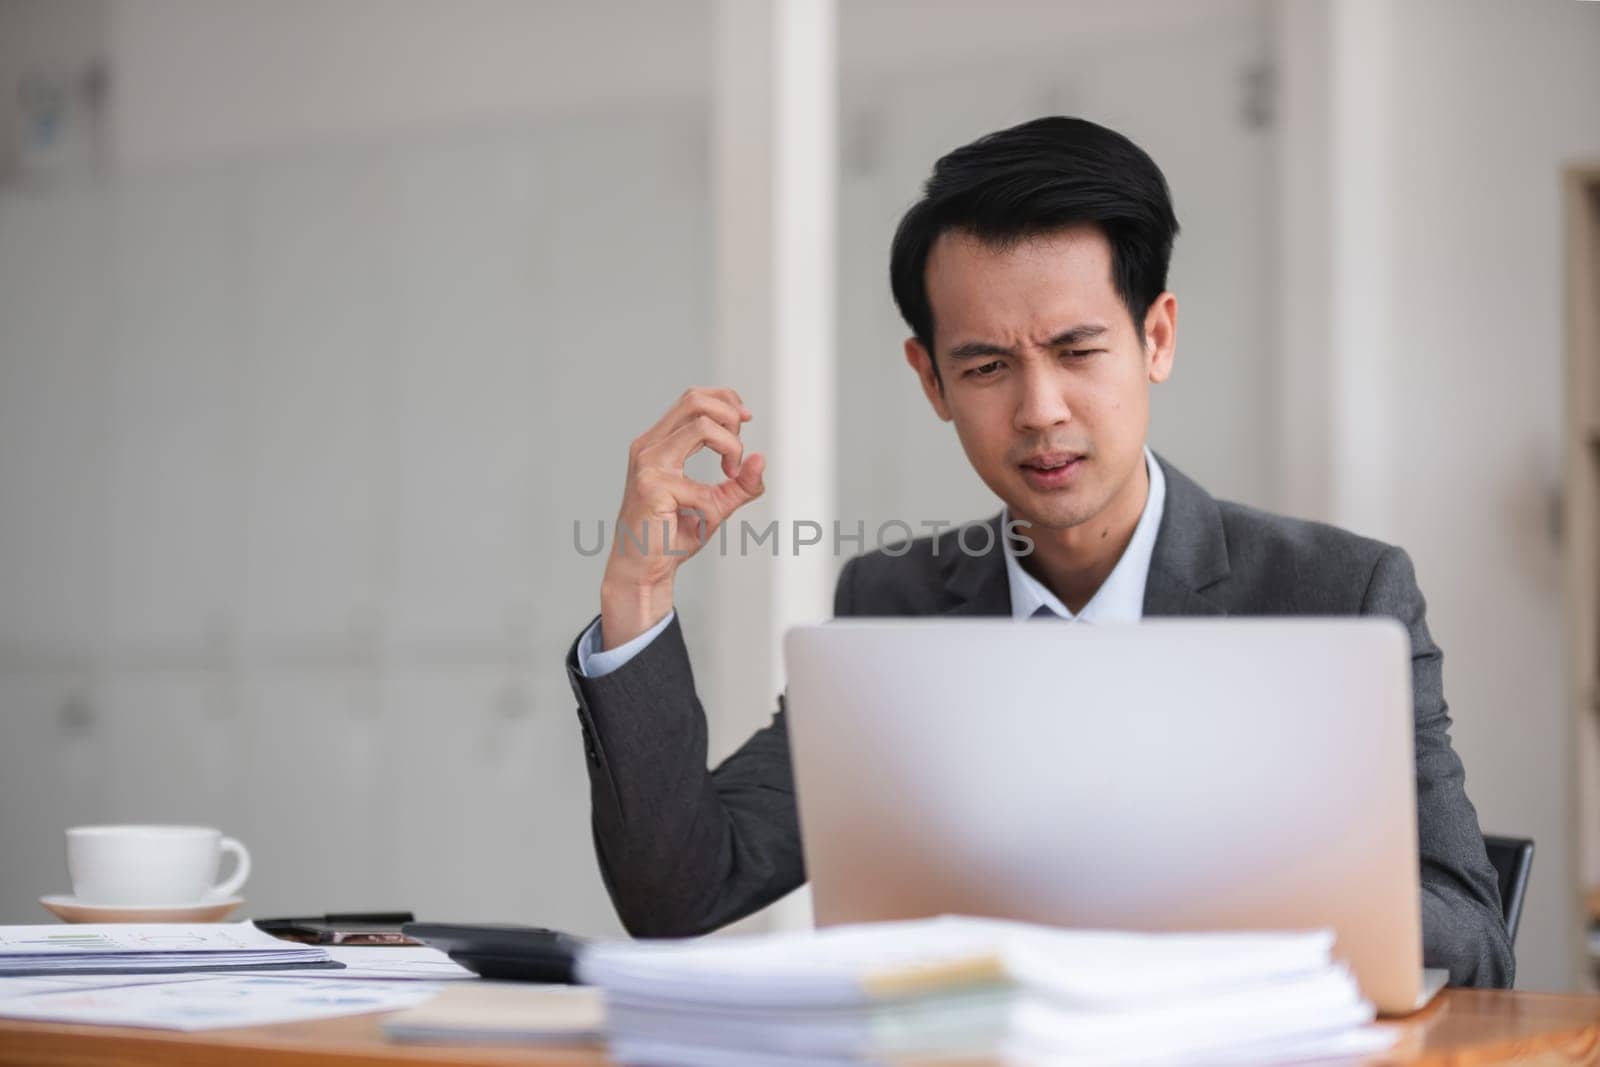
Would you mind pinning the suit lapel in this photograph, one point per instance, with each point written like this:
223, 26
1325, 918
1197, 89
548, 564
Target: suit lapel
977, 584
1190, 556
1165, 595
1191, 552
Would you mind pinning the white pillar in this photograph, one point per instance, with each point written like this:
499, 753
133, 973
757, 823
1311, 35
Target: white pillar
806, 180
738, 690
1336, 262
774, 187
1363, 328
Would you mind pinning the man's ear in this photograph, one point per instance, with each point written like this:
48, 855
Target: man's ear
1161, 337
921, 361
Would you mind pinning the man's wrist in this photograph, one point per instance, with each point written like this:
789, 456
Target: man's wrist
628, 609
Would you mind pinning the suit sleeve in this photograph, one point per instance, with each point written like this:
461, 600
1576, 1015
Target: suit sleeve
684, 850
1463, 929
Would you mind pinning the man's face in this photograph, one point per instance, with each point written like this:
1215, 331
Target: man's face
1042, 370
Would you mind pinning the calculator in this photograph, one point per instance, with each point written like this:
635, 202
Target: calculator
504, 951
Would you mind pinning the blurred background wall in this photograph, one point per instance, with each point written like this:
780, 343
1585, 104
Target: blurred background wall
306, 375
320, 323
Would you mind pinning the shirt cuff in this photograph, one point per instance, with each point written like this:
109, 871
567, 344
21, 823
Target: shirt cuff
593, 663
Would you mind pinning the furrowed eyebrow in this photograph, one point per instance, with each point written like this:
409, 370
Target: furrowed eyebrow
1077, 335
978, 349
984, 349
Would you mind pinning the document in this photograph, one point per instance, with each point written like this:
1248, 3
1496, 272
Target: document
403, 962
213, 1002
139, 948
60, 983
872, 962
980, 987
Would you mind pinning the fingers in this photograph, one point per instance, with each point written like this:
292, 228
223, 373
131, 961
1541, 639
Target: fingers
730, 495
702, 418
700, 432
719, 501
748, 478
664, 492
699, 509
695, 506
726, 395
721, 405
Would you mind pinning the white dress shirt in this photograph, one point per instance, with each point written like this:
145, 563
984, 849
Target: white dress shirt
1120, 597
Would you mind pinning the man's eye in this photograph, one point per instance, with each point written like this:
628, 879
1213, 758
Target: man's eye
986, 370
1080, 353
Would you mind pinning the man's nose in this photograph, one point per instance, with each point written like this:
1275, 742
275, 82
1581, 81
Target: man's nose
1043, 402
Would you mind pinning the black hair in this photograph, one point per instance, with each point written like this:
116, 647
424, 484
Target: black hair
1033, 179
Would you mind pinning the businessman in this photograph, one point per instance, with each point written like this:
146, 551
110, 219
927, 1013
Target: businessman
1032, 275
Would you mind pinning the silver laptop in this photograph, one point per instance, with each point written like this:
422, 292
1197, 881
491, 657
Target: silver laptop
1172, 775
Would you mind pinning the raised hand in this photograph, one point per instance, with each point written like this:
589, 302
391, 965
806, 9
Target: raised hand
666, 516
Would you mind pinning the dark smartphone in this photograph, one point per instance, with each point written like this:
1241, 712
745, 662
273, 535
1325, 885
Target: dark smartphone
503, 950
367, 928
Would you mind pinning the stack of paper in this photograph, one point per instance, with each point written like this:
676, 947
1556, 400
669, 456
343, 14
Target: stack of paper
980, 987
132, 948
504, 1012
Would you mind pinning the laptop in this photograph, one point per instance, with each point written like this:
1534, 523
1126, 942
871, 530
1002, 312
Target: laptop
1176, 774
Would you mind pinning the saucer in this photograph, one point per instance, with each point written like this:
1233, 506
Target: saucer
70, 909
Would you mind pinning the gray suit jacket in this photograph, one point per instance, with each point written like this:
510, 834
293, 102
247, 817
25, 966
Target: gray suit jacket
684, 850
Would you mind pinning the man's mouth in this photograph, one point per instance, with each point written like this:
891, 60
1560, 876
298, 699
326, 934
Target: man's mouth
1050, 461
1050, 470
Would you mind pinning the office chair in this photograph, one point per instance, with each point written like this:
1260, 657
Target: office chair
1513, 859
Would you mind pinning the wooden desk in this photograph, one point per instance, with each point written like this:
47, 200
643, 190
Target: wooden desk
1464, 1028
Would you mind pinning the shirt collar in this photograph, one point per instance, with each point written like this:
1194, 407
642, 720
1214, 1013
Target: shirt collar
1120, 597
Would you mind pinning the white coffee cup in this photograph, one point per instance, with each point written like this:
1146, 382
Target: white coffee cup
151, 866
